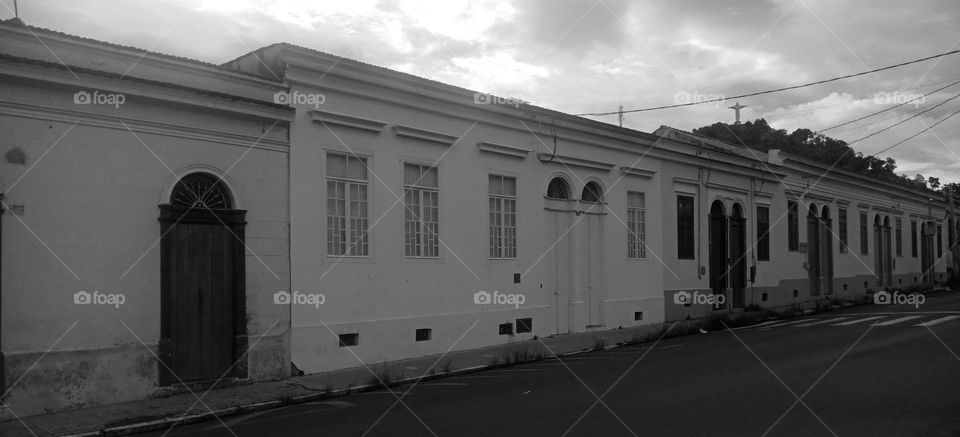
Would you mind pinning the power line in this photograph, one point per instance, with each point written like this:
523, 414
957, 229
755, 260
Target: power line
768, 116
774, 90
905, 120
916, 134
889, 109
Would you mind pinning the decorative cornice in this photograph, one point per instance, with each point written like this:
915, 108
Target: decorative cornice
583, 163
141, 126
347, 121
727, 187
503, 149
422, 134
639, 172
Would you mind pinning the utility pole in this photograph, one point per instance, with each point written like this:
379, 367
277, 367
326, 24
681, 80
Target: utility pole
620, 115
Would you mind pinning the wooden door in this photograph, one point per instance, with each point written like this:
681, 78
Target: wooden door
813, 253
738, 260
718, 249
202, 289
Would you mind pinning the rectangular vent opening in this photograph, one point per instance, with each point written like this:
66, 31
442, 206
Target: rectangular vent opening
506, 329
424, 334
351, 339
524, 325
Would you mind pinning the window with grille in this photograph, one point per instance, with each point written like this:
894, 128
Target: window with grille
422, 211
558, 189
793, 226
913, 238
763, 233
592, 192
200, 191
685, 228
347, 217
864, 233
899, 236
939, 241
843, 231
503, 216
636, 225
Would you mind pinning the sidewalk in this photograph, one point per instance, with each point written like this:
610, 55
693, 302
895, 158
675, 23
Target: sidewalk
158, 413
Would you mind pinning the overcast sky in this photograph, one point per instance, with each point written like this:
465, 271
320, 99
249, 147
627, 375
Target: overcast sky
592, 56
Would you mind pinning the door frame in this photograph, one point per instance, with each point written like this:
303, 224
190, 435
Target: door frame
235, 221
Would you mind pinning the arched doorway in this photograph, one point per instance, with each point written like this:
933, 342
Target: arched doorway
202, 291
927, 231
560, 218
887, 254
738, 256
592, 235
826, 250
813, 251
717, 234
883, 262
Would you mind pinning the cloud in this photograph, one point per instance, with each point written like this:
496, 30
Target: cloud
580, 56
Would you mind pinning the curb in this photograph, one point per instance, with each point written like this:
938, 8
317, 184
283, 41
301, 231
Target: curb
157, 424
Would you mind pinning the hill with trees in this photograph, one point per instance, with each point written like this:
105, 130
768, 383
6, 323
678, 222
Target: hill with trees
815, 146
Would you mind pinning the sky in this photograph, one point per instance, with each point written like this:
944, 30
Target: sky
585, 56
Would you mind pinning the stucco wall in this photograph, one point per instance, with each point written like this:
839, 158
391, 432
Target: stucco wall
84, 216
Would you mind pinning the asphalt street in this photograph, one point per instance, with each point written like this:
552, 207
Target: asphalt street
876, 370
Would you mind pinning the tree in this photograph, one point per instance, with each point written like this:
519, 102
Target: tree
933, 182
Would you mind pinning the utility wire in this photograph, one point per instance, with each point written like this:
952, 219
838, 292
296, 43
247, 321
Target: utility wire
905, 120
889, 109
815, 108
774, 90
916, 134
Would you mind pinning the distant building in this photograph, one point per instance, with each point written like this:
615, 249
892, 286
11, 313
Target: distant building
422, 218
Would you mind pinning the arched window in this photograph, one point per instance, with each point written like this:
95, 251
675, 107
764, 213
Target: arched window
592, 192
558, 189
201, 190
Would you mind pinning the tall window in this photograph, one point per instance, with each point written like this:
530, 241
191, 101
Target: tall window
503, 216
793, 226
346, 205
843, 231
899, 236
685, 235
863, 233
913, 238
939, 241
636, 225
422, 216
763, 233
